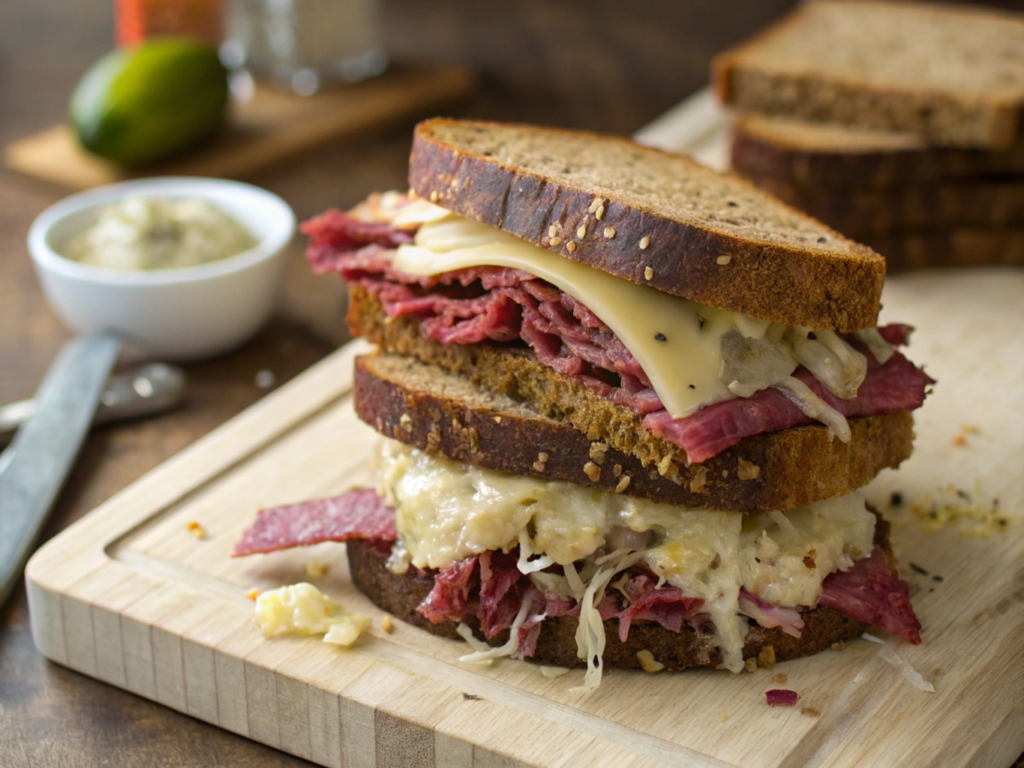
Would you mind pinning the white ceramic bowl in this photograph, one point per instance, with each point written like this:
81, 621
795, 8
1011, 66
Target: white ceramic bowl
173, 314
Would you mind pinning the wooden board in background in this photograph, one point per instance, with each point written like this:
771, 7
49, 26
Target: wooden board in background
271, 127
130, 596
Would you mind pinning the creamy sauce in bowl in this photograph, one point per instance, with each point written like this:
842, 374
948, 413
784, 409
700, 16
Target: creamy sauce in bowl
155, 233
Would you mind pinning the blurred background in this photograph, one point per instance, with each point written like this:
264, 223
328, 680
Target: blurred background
603, 65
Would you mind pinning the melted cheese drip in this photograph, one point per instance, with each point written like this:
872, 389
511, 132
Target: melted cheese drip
683, 368
446, 511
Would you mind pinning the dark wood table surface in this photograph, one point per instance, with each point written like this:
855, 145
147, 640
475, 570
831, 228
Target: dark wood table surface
600, 64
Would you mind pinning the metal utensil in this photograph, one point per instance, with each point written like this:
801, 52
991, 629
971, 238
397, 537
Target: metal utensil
45, 448
139, 391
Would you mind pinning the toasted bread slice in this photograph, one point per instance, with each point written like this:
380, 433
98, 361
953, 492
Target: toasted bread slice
956, 248
938, 206
652, 217
542, 411
400, 594
824, 155
953, 75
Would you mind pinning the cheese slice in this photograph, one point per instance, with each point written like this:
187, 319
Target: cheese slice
677, 342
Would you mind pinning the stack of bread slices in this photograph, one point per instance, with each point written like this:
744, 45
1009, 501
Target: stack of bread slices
626, 406
899, 124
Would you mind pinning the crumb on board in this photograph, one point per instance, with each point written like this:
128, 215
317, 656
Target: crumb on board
387, 624
470, 697
968, 511
838, 645
959, 441
315, 568
725, 716
252, 594
196, 530
810, 712
779, 677
750, 664
766, 657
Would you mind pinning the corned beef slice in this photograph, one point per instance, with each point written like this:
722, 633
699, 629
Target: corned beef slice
499, 304
870, 593
357, 514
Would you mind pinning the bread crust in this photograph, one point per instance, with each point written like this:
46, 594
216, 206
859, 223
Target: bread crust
987, 116
815, 156
400, 594
445, 414
822, 287
956, 248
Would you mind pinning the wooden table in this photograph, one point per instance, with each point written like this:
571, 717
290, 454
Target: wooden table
600, 64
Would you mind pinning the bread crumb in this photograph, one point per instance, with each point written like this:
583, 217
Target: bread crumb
454, 184
387, 624
571, 246
406, 422
810, 712
766, 658
252, 594
597, 452
197, 530
315, 568
648, 662
644, 242
591, 470
838, 645
969, 429
748, 471
723, 260
698, 481
665, 465
433, 196
581, 231
600, 213
556, 241
779, 677
959, 441
609, 232
648, 273
623, 484
617, 470
750, 664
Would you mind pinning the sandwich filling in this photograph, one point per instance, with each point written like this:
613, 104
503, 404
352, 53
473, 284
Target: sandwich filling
513, 551
702, 378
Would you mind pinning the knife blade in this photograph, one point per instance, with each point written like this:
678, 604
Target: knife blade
45, 448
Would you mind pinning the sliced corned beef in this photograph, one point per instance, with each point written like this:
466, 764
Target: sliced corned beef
868, 592
498, 304
358, 514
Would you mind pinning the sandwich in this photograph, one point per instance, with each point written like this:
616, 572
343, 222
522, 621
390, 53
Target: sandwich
625, 404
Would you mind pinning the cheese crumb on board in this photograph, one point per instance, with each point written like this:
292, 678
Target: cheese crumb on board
304, 609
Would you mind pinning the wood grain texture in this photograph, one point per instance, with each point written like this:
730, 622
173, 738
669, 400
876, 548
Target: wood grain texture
393, 693
271, 127
600, 65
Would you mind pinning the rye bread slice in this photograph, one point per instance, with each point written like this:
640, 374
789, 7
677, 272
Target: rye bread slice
951, 74
934, 207
652, 217
400, 594
956, 248
824, 155
444, 413
445, 398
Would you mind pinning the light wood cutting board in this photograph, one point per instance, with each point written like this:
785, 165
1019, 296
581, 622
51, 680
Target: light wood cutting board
130, 596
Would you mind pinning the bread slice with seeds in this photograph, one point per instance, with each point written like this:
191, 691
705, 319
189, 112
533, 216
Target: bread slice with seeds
826, 156
482, 415
953, 75
652, 217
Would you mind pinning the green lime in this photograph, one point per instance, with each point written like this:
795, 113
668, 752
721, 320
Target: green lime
137, 106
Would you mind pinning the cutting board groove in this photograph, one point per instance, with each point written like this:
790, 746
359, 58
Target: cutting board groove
129, 596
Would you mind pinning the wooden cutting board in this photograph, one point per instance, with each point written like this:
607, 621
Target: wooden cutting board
270, 127
130, 596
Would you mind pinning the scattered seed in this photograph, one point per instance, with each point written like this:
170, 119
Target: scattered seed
556, 241
406, 422
571, 246
918, 569
723, 260
822, 239
387, 624
433, 196
644, 242
591, 470
552, 230
470, 696
648, 273
660, 337
623, 484
617, 470
581, 231
609, 232
600, 213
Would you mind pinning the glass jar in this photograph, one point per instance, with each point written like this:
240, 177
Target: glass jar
304, 45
